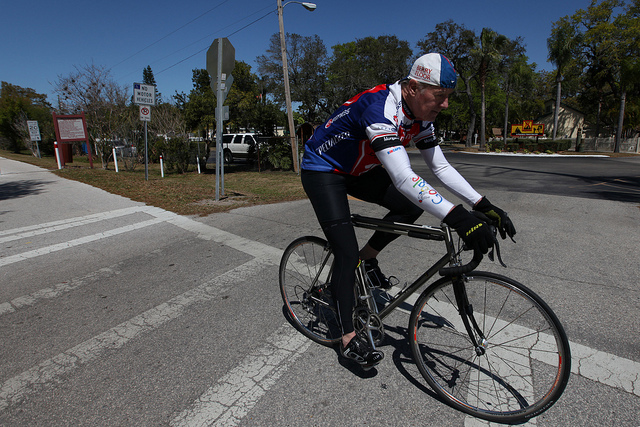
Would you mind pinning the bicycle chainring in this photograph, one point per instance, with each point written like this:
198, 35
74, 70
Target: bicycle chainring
364, 321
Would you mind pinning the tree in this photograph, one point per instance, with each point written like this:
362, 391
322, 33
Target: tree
91, 89
243, 98
488, 54
626, 40
149, 79
199, 106
17, 105
595, 55
561, 45
363, 64
518, 78
307, 64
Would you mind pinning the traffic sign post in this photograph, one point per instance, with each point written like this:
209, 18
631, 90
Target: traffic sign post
34, 133
221, 60
144, 95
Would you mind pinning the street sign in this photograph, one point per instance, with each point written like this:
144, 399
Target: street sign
34, 130
144, 94
226, 85
145, 113
527, 128
221, 60
228, 59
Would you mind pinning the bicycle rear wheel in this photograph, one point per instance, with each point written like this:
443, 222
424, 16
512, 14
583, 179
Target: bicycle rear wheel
305, 275
522, 365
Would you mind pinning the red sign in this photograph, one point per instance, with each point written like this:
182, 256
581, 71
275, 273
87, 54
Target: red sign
72, 128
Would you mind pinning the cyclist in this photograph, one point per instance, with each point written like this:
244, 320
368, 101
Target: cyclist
344, 157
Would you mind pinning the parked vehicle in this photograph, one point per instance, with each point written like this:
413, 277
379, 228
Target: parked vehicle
238, 146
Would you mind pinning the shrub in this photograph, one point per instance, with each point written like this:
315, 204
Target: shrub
178, 153
275, 153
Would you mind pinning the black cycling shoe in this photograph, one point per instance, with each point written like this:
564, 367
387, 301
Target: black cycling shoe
359, 350
376, 277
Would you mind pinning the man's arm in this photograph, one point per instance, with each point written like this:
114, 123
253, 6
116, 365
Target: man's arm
396, 161
449, 176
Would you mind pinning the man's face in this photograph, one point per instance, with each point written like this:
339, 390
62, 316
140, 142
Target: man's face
426, 101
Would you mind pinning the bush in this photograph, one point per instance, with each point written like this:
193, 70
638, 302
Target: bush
529, 145
177, 153
275, 153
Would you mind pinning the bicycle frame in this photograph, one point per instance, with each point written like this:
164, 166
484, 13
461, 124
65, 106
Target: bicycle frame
418, 231
428, 233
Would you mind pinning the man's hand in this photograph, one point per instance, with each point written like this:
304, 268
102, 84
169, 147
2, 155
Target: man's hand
475, 233
505, 226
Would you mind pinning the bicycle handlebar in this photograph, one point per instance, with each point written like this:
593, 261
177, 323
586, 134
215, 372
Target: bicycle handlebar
463, 269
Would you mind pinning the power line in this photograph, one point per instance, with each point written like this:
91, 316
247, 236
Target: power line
237, 31
203, 38
172, 32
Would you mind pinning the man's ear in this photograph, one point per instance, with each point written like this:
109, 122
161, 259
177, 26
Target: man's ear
413, 87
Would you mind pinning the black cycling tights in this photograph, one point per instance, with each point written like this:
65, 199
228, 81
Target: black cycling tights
328, 194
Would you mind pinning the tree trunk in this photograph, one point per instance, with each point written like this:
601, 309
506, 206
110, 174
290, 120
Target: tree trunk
506, 120
472, 113
482, 116
623, 99
598, 115
556, 113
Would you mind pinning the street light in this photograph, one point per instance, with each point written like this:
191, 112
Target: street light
285, 71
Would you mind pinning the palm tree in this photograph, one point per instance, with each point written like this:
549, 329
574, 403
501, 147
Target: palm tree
488, 54
561, 50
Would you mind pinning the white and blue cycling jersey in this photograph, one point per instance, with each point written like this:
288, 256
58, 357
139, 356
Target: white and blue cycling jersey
370, 121
372, 129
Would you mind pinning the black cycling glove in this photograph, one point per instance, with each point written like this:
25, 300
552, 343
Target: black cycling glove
505, 226
475, 233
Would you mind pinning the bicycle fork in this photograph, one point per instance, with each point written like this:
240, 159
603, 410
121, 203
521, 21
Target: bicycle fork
465, 309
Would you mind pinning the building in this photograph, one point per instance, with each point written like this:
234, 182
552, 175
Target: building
570, 121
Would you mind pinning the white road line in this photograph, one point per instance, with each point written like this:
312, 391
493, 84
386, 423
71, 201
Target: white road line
237, 392
58, 289
605, 368
18, 387
76, 242
34, 230
202, 231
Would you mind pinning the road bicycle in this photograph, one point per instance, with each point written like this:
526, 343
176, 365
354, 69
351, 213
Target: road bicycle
486, 344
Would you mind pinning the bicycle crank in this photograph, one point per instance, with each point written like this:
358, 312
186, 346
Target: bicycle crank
369, 325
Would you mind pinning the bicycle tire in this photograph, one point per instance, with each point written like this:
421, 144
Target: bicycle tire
305, 274
527, 362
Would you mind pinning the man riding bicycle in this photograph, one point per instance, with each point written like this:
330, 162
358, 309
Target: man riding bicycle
343, 157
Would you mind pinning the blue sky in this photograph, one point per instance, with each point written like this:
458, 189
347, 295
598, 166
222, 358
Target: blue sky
42, 40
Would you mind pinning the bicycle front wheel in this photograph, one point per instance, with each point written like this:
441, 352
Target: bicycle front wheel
521, 364
305, 276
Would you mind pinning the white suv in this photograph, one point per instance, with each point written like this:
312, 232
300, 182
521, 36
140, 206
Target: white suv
237, 145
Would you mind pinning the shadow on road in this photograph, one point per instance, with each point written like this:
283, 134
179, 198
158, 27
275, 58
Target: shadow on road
15, 189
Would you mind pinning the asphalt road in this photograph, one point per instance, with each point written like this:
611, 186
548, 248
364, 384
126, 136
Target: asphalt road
117, 313
592, 177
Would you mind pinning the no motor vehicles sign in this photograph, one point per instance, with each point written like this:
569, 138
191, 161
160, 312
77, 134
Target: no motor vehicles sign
144, 94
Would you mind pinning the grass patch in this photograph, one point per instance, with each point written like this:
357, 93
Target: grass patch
190, 193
